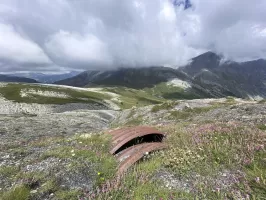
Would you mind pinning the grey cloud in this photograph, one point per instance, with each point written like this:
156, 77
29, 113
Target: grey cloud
229, 27
60, 34
18, 48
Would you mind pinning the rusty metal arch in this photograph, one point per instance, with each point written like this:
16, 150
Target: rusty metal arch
131, 154
122, 136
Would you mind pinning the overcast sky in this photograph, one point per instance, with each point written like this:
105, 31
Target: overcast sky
58, 35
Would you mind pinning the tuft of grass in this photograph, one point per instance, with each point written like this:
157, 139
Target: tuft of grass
256, 175
21, 192
49, 186
262, 127
30, 178
8, 171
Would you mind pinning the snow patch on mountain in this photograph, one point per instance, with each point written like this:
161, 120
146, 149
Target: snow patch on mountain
179, 83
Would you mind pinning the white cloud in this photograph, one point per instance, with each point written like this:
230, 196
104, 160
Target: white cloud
75, 48
227, 26
14, 47
92, 34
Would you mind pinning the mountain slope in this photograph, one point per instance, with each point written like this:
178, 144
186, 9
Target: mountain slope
244, 79
6, 78
149, 79
207, 76
129, 77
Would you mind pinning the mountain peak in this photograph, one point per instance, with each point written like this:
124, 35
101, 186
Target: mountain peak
209, 55
208, 60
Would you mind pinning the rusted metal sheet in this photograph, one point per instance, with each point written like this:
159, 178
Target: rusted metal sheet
118, 132
121, 156
119, 137
122, 136
133, 157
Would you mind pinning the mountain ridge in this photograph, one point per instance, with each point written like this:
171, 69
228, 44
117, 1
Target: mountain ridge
8, 78
206, 72
46, 78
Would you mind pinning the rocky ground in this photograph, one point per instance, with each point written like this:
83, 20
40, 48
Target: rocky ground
222, 110
40, 143
29, 131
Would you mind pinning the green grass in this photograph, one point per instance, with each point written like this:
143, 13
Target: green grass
137, 185
12, 92
132, 97
262, 127
198, 150
170, 92
189, 112
87, 155
212, 148
96, 152
128, 97
256, 175
50, 186
21, 192
150, 96
202, 149
8, 171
